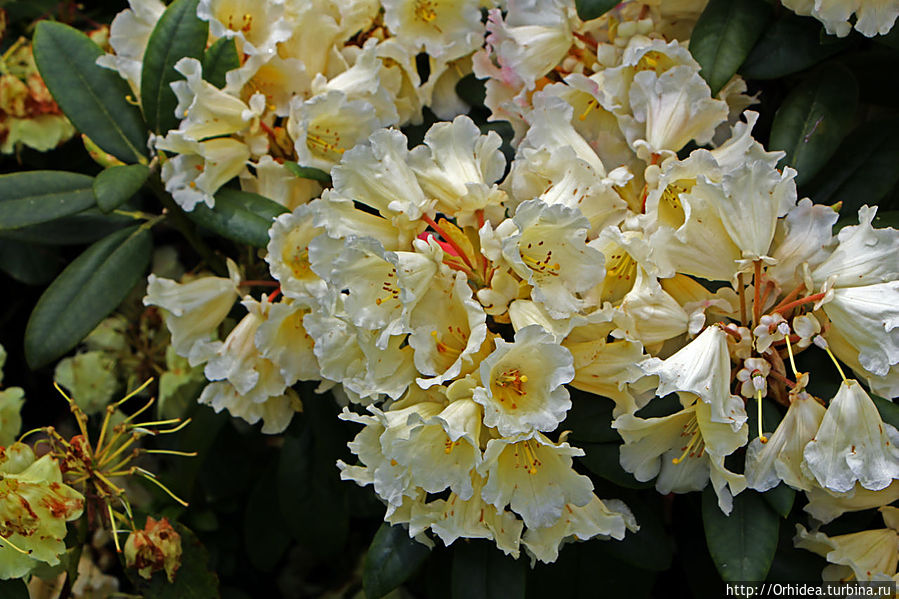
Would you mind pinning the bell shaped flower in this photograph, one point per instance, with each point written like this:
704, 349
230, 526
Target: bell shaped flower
445, 29
522, 383
533, 476
288, 254
853, 444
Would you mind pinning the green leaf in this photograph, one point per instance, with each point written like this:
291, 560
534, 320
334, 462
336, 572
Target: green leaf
34, 197
29, 263
724, 35
178, 34
220, 58
590, 418
888, 409
481, 571
264, 534
92, 97
592, 9
308, 172
115, 185
85, 293
651, 547
85, 227
13, 589
193, 580
603, 459
742, 544
789, 45
472, 90
392, 558
862, 170
241, 216
813, 120
780, 498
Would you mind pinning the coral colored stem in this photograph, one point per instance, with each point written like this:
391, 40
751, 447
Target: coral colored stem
789, 297
742, 298
782, 378
799, 302
756, 301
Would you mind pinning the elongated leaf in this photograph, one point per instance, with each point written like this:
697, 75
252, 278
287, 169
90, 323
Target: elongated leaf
888, 409
481, 571
35, 197
590, 418
31, 264
239, 215
780, 498
603, 459
724, 35
308, 172
85, 227
85, 293
178, 34
813, 120
742, 544
13, 589
117, 184
92, 97
651, 547
220, 58
789, 45
593, 9
264, 534
392, 558
862, 171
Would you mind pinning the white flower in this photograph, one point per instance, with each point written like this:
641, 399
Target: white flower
534, 476
200, 168
864, 255
702, 368
446, 29
288, 254
550, 252
194, 310
853, 444
522, 383
282, 339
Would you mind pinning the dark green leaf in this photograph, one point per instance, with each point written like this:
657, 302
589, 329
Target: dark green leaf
471, 89
241, 216
84, 227
392, 558
603, 459
115, 185
649, 548
593, 9
481, 571
179, 33
308, 172
724, 35
590, 418
264, 534
780, 498
193, 580
742, 544
888, 409
788, 46
813, 120
85, 293
94, 98
13, 589
863, 169
220, 58
313, 500
31, 264
34, 197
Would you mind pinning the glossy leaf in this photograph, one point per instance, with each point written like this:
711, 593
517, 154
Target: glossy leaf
888, 409
34, 197
814, 118
742, 544
179, 33
241, 216
13, 589
481, 571
651, 547
392, 558
592, 9
603, 459
264, 534
220, 58
590, 418
85, 227
308, 172
29, 263
724, 35
863, 169
85, 293
115, 185
781, 499
789, 45
94, 98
